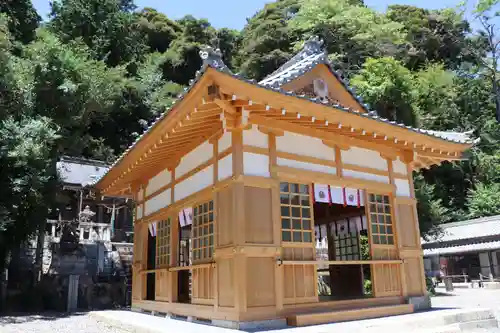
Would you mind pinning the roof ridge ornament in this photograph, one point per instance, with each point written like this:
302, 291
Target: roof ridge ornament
212, 58
313, 45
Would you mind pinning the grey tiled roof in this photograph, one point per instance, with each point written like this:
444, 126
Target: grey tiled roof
305, 60
476, 228
465, 248
295, 68
80, 172
309, 57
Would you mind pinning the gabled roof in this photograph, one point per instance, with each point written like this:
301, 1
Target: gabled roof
298, 65
482, 234
469, 229
80, 171
311, 55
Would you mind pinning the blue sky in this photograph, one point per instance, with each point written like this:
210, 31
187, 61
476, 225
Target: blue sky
233, 13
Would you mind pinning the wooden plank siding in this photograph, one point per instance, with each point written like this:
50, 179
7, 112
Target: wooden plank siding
248, 235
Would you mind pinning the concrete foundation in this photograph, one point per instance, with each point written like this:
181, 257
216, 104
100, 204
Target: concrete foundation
492, 285
420, 302
251, 325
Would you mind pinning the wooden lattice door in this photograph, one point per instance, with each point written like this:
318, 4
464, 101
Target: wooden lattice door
386, 277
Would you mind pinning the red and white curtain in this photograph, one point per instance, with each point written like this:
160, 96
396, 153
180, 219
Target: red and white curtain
338, 195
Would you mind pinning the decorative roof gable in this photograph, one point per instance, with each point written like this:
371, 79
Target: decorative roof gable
310, 56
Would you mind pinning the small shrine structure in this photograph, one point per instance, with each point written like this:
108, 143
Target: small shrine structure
280, 200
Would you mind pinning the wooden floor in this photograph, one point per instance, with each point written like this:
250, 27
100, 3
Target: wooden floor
324, 316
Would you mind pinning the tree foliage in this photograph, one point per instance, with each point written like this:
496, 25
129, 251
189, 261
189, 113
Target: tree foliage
432, 36
267, 40
22, 17
352, 32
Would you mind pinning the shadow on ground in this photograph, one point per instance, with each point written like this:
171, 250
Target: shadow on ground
21, 318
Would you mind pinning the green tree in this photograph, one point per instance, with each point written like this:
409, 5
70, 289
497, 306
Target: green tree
352, 32
158, 28
435, 97
23, 19
484, 200
26, 149
432, 36
388, 87
107, 27
229, 42
182, 59
267, 41
431, 212
486, 46
70, 87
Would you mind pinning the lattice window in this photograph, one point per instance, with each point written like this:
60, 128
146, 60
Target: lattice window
346, 241
203, 231
163, 243
296, 214
381, 219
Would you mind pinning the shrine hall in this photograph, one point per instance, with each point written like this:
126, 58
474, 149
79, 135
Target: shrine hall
280, 202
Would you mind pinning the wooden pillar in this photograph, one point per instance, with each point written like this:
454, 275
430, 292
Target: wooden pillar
215, 281
397, 228
238, 221
408, 240
279, 273
416, 226
173, 277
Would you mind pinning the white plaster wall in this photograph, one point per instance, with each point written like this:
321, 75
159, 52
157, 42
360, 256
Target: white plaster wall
304, 145
224, 142
402, 188
158, 181
364, 157
256, 165
254, 137
399, 167
306, 166
158, 202
366, 176
139, 211
199, 155
195, 183
225, 167
139, 195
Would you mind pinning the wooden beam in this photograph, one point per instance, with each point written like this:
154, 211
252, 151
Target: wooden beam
336, 138
226, 106
245, 90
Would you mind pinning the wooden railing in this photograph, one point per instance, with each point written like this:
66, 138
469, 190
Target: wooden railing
338, 262
179, 268
103, 232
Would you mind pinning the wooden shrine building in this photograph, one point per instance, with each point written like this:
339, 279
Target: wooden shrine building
285, 199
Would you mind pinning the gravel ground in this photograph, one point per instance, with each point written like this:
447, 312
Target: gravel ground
53, 323
83, 323
467, 298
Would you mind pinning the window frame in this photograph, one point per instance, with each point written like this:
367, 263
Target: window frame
289, 191
341, 253
381, 217
163, 240
203, 232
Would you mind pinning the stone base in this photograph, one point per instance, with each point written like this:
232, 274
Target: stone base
492, 285
251, 325
420, 302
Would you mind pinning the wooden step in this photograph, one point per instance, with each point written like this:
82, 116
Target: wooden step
325, 317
